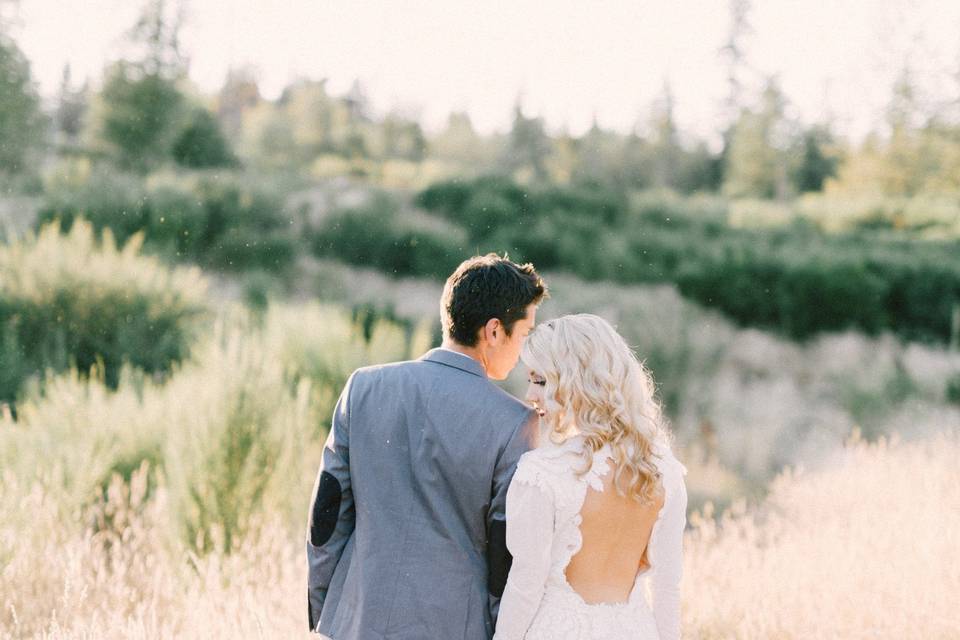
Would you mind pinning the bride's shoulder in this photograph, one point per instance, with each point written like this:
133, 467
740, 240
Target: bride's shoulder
541, 466
667, 463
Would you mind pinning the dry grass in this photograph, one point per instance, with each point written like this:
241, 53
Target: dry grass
127, 577
862, 550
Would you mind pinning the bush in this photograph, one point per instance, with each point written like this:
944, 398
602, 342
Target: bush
789, 277
216, 220
487, 205
237, 430
69, 300
201, 144
377, 234
953, 389
106, 199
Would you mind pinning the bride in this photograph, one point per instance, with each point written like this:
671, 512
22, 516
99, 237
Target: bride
600, 508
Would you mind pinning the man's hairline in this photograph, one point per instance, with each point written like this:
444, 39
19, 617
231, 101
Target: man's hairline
448, 336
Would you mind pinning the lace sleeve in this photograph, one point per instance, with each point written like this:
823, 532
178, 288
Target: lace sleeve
666, 553
530, 514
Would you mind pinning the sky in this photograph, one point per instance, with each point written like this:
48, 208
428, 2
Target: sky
571, 63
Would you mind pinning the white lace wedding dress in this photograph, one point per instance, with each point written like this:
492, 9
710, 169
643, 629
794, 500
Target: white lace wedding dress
543, 533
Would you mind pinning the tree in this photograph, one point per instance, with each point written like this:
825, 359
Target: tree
700, 170
667, 153
141, 100
734, 50
140, 114
816, 163
21, 121
905, 154
358, 103
529, 146
460, 145
274, 139
201, 144
238, 95
309, 109
155, 39
71, 109
601, 159
759, 148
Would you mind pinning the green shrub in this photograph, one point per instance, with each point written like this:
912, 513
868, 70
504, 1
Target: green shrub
106, 198
378, 235
238, 429
953, 389
790, 277
201, 144
487, 205
217, 220
445, 197
69, 300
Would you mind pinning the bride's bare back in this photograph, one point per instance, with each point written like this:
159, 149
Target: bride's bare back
615, 530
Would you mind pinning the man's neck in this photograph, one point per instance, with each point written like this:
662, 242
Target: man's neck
470, 352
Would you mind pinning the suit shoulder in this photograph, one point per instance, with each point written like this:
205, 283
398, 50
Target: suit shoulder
378, 371
509, 402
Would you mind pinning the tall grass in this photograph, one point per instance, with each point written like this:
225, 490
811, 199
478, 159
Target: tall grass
859, 550
131, 577
184, 495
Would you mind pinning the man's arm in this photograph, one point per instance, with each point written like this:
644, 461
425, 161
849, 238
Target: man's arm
498, 557
332, 515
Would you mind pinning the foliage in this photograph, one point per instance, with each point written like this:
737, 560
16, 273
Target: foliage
527, 149
67, 300
816, 164
375, 235
70, 111
200, 144
756, 163
791, 278
215, 219
953, 389
742, 569
21, 121
140, 115
235, 432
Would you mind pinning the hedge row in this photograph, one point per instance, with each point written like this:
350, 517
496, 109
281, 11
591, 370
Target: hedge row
795, 279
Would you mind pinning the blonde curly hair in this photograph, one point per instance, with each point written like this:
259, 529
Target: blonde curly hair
596, 387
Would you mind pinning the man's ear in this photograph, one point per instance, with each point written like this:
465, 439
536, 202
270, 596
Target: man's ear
493, 330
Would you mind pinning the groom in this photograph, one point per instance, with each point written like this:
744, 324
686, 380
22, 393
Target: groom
406, 536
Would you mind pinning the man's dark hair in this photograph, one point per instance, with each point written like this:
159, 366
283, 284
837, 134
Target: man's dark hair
485, 287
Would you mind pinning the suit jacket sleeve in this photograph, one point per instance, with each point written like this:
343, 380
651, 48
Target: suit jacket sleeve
332, 514
498, 557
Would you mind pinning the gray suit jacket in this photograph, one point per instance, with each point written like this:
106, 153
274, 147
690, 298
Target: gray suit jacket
406, 538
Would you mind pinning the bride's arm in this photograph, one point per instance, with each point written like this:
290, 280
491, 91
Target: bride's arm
666, 556
530, 515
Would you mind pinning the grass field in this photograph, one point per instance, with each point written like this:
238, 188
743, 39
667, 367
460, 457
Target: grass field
862, 550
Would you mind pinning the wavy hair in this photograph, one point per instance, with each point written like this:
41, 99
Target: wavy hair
596, 387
